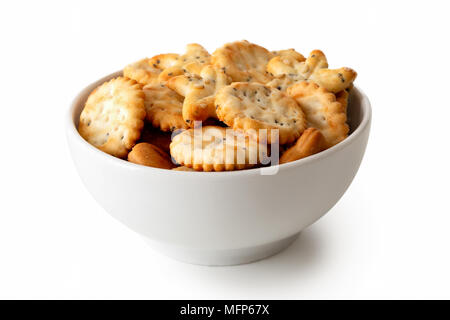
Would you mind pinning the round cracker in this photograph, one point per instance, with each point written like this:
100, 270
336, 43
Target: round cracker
342, 98
322, 111
243, 61
310, 142
285, 62
148, 70
214, 148
289, 67
142, 71
252, 106
164, 61
281, 83
195, 58
164, 108
113, 116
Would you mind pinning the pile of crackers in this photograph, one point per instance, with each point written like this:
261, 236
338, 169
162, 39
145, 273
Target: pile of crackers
239, 100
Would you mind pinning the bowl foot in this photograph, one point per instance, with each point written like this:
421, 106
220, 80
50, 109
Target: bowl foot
223, 257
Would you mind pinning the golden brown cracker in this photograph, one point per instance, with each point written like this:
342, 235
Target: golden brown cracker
113, 116
164, 108
199, 92
342, 98
243, 61
142, 71
213, 148
292, 67
192, 61
253, 106
322, 111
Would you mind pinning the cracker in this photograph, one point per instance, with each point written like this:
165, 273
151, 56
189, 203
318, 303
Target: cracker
334, 80
342, 98
322, 111
281, 82
148, 70
199, 92
285, 68
113, 116
150, 155
164, 61
216, 149
294, 68
142, 71
245, 106
164, 108
310, 142
285, 62
293, 64
243, 61
193, 61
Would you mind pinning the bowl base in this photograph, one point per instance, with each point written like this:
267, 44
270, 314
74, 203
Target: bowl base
223, 257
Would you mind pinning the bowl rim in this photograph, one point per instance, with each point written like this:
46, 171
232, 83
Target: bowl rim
72, 132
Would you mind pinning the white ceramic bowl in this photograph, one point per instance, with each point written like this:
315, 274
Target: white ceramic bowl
220, 218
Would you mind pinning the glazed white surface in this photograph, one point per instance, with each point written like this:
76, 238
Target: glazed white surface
386, 238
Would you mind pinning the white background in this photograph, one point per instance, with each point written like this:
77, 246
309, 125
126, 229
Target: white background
388, 237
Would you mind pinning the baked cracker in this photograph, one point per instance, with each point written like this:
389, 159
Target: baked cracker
142, 71
243, 61
322, 111
290, 67
148, 70
164, 108
252, 106
199, 92
216, 149
113, 116
195, 58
